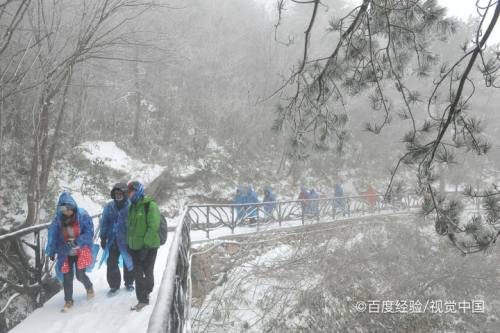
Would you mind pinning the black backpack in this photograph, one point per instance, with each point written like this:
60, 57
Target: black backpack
163, 225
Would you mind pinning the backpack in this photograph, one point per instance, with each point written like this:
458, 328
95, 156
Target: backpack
163, 225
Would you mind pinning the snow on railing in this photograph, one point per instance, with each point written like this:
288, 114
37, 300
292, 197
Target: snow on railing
171, 310
18, 237
209, 217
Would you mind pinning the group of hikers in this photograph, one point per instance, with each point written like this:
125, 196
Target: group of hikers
129, 228
248, 212
247, 198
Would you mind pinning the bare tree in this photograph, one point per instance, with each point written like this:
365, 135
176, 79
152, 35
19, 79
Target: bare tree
42, 45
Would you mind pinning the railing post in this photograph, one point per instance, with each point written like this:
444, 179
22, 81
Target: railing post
302, 210
208, 224
257, 217
317, 208
408, 202
279, 213
38, 258
233, 222
334, 203
348, 204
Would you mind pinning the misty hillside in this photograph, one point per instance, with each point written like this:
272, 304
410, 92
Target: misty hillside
383, 110
314, 279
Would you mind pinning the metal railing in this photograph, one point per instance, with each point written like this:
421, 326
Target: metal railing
171, 311
173, 303
211, 217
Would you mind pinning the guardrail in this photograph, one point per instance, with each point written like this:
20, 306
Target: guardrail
173, 303
210, 217
171, 311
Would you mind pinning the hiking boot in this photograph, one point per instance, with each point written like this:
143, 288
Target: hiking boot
129, 287
67, 305
112, 291
90, 293
138, 307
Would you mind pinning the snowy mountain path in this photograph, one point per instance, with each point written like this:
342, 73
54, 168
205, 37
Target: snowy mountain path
102, 313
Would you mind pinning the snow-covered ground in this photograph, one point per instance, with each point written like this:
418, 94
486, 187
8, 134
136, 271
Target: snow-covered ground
112, 157
117, 159
102, 313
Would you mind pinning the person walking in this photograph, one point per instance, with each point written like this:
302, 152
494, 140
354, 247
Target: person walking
270, 200
143, 240
238, 200
339, 202
113, 234
252, 211
70, 242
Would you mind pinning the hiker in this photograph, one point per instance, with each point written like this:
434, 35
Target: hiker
239, 199
304, 195
371, 197
252, 212
113, 234
314, 205
339, 201
70, 242
269, 199
143, 240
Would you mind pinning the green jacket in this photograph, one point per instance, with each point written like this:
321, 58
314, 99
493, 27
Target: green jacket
141, 233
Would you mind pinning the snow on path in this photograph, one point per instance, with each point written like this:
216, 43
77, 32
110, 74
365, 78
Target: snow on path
101, 314
199, 237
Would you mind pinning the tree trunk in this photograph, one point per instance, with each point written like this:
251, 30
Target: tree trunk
33, 182
137, 98
1, 138
77, 123
55, 139
40, 157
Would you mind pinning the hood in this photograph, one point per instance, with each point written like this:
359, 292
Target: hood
139, 191
66, 199
122, 187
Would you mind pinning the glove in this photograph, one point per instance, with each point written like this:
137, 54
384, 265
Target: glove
52, 257
143, 254
103, 243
